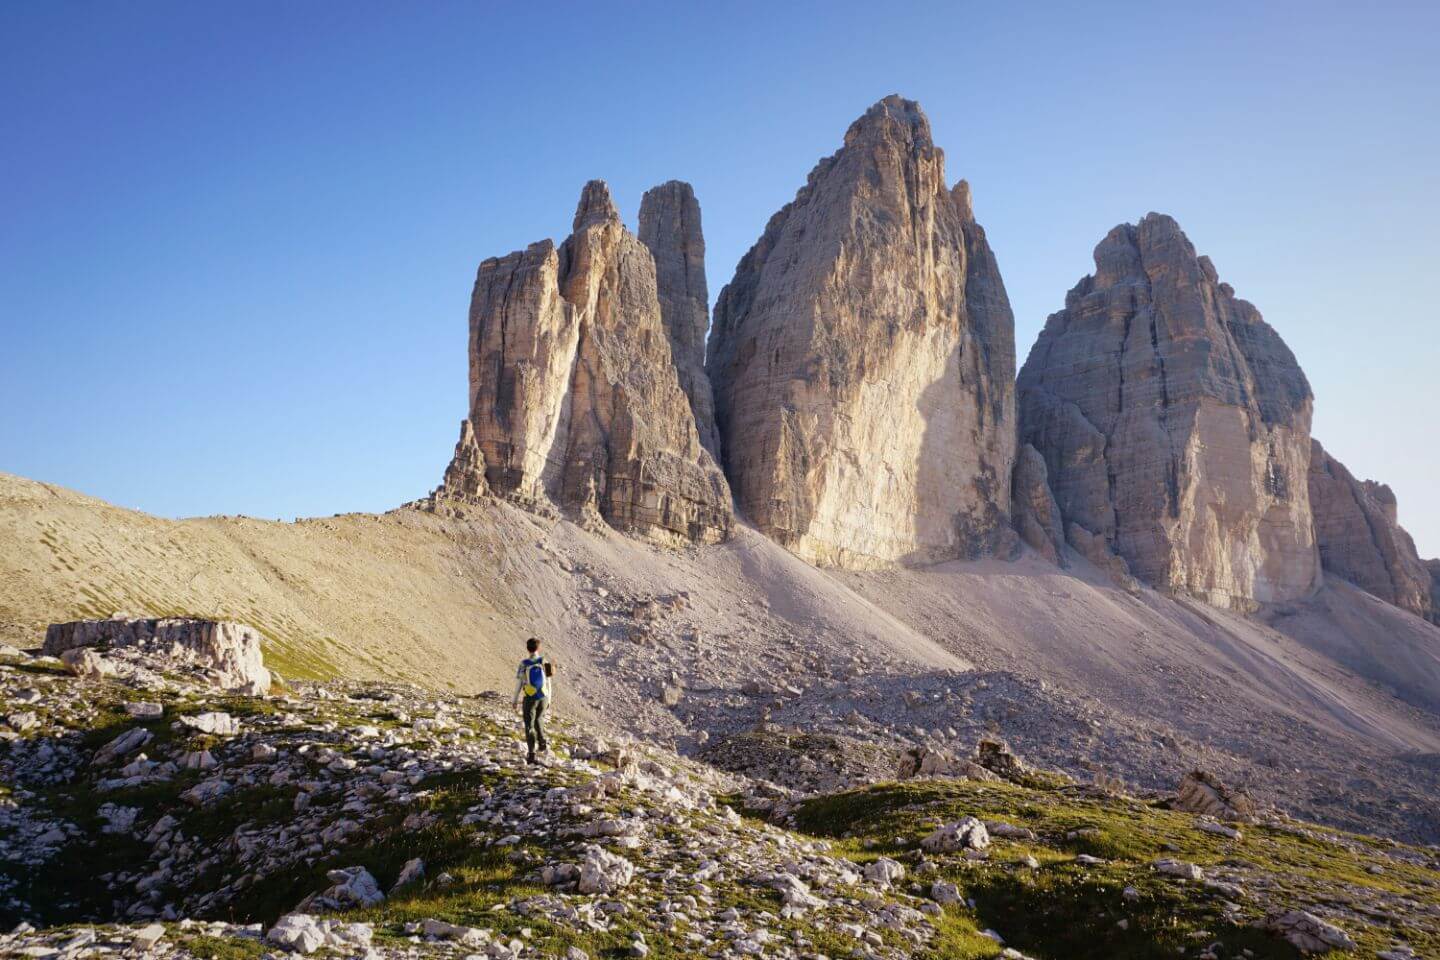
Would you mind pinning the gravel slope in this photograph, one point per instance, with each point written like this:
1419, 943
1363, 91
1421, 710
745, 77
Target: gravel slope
1326, 707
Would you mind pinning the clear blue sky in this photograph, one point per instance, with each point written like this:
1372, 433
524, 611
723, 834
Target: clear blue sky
237, 240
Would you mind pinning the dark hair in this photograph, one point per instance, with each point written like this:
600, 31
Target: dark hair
532, 644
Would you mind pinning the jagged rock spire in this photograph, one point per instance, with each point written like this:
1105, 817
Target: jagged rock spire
1361, 540
574, 398
670, 229
863, 361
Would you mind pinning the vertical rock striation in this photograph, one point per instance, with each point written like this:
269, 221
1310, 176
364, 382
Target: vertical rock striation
1357, 528
863, 359
1175, 424
574, 398
670, 229
1033, 509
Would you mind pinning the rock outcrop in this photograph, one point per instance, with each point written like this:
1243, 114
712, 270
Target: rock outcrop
1361, 540
225, 654
1204, 793
1033, 508
863, 360
574, 397
670, 229
1175, 424
465, 477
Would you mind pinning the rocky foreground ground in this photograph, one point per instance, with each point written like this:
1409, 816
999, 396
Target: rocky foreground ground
146, 812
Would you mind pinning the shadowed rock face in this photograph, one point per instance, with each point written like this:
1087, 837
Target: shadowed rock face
574, 398
670, 229
863, 359
1361, 540
1175, 424
1037, 519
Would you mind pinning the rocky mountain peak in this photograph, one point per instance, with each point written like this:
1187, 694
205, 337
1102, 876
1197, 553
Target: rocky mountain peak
595, 206
574, 397
964, 205
1175, 423
862, 360
670, 230
892, 118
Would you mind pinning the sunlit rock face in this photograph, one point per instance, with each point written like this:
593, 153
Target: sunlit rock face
1357, 527
863, 360
1175, 424
574, 397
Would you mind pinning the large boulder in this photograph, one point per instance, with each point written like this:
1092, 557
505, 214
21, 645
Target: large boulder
352, 888
574, 397
604, 872
1360, 538
1203, 793
1307, 932
224, 653
1175, 424
863, 361
967, 833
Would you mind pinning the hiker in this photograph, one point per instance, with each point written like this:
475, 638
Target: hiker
532, 680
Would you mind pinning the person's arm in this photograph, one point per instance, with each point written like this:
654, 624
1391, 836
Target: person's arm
519, 683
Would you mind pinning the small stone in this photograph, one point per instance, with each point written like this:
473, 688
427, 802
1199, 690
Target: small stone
217, 723
604, 872
297, 932
147, 936
1178, 868
944, 892
1307, 932
412, 872
884, 871
967, 833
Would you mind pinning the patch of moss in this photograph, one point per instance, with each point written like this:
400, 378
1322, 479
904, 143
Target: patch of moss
224, 948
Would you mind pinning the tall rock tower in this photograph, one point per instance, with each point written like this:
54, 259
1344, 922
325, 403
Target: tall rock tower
670, 229
863, 360
574, 398
1175, 424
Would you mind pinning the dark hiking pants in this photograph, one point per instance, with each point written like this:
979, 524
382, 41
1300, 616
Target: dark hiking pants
534, 713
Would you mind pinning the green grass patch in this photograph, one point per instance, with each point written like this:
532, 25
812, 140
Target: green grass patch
1064, 909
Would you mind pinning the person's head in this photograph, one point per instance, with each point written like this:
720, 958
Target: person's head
533, 644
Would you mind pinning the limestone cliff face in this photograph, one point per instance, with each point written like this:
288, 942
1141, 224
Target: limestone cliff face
670, 229
863, 360
574, 398
1033, 509
1361, 540
1175, 424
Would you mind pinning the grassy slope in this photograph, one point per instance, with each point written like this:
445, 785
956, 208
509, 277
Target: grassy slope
1067, 910
403, 595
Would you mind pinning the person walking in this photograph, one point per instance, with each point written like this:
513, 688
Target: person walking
532, 683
